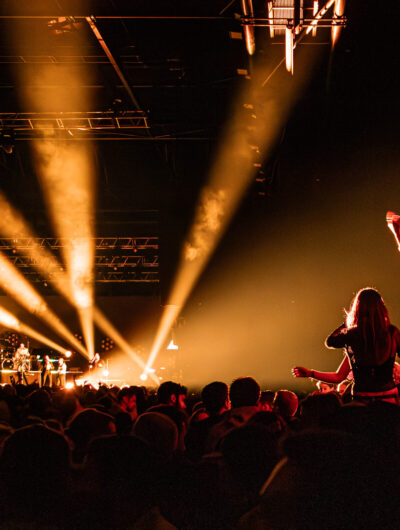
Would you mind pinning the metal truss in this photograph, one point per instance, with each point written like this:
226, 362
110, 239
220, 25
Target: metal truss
124, 243
73, 121
117, 259
129, 60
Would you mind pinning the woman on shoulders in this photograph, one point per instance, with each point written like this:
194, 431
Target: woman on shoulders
371, 343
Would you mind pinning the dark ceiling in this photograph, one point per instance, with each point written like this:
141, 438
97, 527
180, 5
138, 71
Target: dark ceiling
183, 65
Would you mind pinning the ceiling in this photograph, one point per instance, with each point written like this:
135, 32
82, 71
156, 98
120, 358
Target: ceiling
158, 92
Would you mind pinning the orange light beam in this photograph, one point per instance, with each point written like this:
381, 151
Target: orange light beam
13, 225
14, 283
66, 176
111, 331
229, 178
8, 320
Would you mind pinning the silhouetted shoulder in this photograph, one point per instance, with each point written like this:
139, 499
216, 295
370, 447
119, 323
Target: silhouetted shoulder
340, 337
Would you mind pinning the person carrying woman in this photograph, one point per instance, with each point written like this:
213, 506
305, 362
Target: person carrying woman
371, 343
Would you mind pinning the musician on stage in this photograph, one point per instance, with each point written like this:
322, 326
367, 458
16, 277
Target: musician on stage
47, 367
61, 372
21, 360
95, 362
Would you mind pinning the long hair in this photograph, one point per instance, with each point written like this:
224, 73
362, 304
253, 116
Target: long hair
370, 316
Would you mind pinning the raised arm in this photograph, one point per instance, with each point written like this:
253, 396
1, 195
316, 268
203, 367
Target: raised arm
327, 377
337, 339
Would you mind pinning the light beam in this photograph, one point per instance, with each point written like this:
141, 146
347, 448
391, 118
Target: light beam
14, 283
8, 320
230, 176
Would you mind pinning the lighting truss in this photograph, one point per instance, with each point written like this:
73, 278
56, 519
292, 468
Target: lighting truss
117, 259
73, 121
294, 19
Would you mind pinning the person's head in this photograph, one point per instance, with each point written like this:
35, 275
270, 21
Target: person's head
170, 393
127, 398
159, 431
369, 306
370, 316
60, 361
244, 391
267, 400
324, 388
215, 397
22, 345
286, 403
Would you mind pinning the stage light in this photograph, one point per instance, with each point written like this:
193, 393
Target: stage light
172, 346
14, 283
106, 372
319, 15
69, 385
112, 332
270, 8
247, 8
289, 45
68, 354
315, 12
229, 178
9, 320
143, 377
66, 172
66, 176
338, 12
11, 223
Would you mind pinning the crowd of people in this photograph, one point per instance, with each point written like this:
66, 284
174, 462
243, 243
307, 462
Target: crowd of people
230, 457
227, 457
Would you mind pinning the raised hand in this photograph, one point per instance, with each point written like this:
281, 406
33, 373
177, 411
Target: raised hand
300, 371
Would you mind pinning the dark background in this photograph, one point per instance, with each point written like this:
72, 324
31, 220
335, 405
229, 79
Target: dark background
300, 246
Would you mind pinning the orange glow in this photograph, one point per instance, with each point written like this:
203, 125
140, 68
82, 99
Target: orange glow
65, 172
229, 177
289, 44
315, 11
21, 290
66, 175
338, 12
319, 15
110, 330
270, 7
247, 8
10, 321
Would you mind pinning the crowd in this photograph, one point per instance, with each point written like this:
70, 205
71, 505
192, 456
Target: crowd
229, 457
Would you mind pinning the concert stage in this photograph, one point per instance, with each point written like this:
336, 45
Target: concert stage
33, 376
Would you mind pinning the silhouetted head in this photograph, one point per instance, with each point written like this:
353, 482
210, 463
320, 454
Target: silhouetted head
170, 393
370, 316
244, 391
215, 397
368, 305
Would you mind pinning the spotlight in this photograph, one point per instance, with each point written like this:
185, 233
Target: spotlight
69, 385
143, 377
172, 346
68, 354
106, 372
